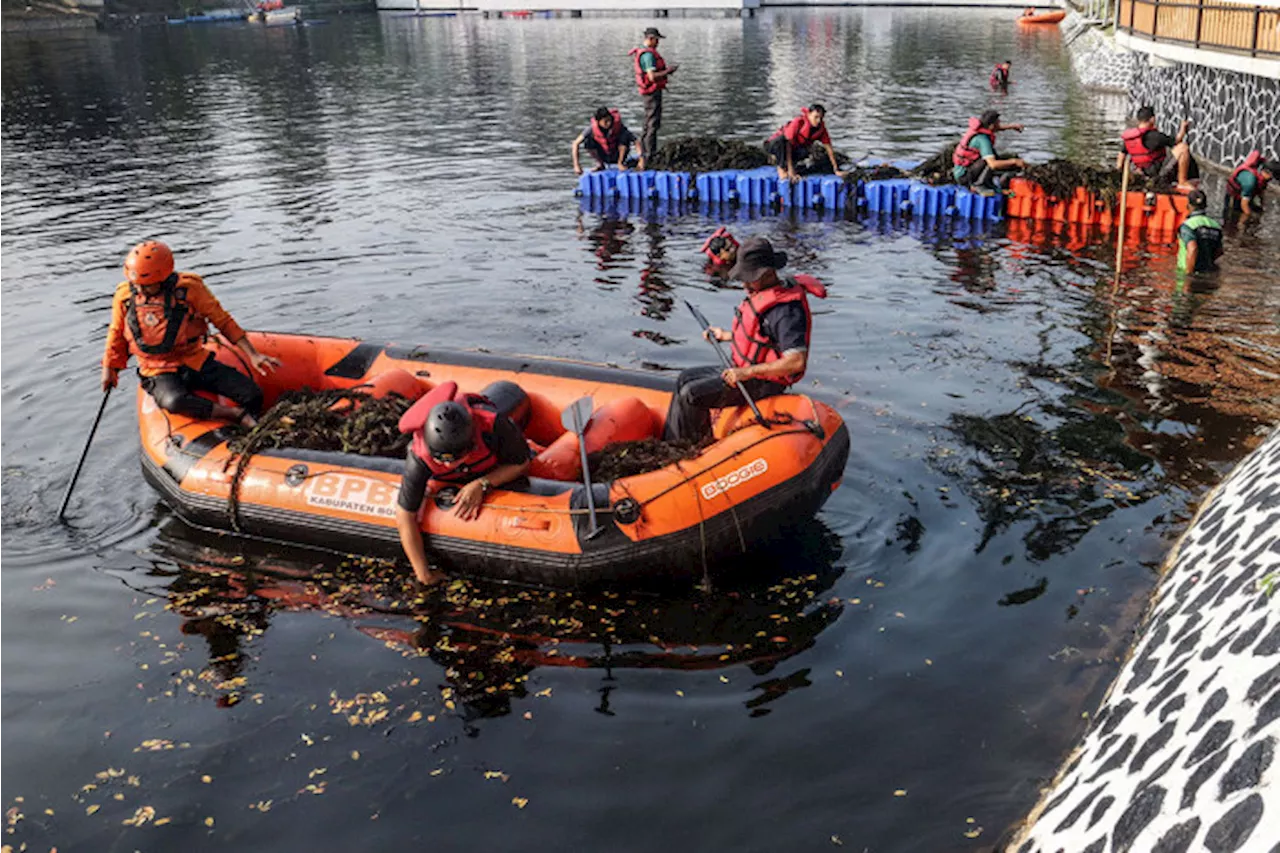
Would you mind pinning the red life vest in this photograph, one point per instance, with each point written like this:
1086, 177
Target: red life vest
608, 142
706, 247
1141, 156
749, 344
799, 132
999, 76
966, 156
478, 461
161, 328
643, 83
1249, 165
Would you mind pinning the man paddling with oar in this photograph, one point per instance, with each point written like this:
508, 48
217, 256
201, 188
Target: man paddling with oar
770, 343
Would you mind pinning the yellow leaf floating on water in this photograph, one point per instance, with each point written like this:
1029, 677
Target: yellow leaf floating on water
208, 821
355, 755
520, 802
496, 774
206, 778
162, 821
92, 809
901, 792
679, 692
835, 839
437, 771
415, 716
973, 833
141, 816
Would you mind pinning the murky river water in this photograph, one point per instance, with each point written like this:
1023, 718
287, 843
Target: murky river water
1027, 441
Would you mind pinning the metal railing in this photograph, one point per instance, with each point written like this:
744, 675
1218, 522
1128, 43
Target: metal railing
1214, 25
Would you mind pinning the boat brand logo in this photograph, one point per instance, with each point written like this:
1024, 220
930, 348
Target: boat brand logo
352, 493
736, 478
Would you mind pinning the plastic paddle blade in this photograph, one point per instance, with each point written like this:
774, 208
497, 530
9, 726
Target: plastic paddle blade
577, 414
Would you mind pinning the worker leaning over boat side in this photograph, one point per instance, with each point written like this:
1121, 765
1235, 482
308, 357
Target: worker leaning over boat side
1249, 181
462, 441
770, 343
652, 72
974, 163
606, 139
162, 318
1199, 237
793, 143
1157, 155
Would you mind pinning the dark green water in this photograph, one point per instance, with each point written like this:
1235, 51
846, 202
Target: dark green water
1026, 443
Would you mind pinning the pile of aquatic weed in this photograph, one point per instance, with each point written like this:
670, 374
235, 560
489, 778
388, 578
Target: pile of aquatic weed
346, 421
937, 169
707, 154
629, 458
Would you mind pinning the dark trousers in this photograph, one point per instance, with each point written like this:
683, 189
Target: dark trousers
979, 174
652, 121
173, 392
777, 149
604, 155
698, 391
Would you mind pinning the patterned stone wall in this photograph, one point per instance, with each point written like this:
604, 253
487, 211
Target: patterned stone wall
1231, 113
1181, 756
1096, 58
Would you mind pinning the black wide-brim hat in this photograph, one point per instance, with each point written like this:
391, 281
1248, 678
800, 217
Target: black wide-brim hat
756, 256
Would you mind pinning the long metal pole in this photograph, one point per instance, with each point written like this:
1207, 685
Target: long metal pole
84, 454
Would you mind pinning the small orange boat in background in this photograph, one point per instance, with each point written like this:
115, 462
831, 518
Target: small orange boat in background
1042, 17
751, 485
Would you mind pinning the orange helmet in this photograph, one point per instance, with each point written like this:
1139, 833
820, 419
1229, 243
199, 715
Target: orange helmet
148, 263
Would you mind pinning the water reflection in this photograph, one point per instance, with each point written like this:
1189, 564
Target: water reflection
488, 638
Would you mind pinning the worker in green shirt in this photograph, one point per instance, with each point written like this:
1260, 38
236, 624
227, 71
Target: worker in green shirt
1199, 237
1249, 181
974, 162
652, 72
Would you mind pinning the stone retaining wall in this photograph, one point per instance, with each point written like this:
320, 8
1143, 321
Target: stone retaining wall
1232, 113
1181, 755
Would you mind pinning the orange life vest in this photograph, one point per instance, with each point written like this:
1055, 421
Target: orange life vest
162, 328
750, 346
999, 76
1249, 165
965, 155
1139, 154
722, 231
643, 83
608, 142
477, 462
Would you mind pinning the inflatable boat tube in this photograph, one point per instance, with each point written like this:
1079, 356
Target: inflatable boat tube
752, 484
1043, 18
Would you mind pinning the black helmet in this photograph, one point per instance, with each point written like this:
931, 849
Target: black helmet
448, 431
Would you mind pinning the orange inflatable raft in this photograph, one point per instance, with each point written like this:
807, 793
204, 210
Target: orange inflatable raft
751, 485
1043, 18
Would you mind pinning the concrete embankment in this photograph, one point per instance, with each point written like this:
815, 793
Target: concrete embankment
1181, 755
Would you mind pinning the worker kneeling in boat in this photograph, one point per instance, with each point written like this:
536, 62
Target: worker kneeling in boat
974, 163
791, 144
162, 317
1156, 155
458, 440
1249, 181
1199, 237
770, 338
606, 139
